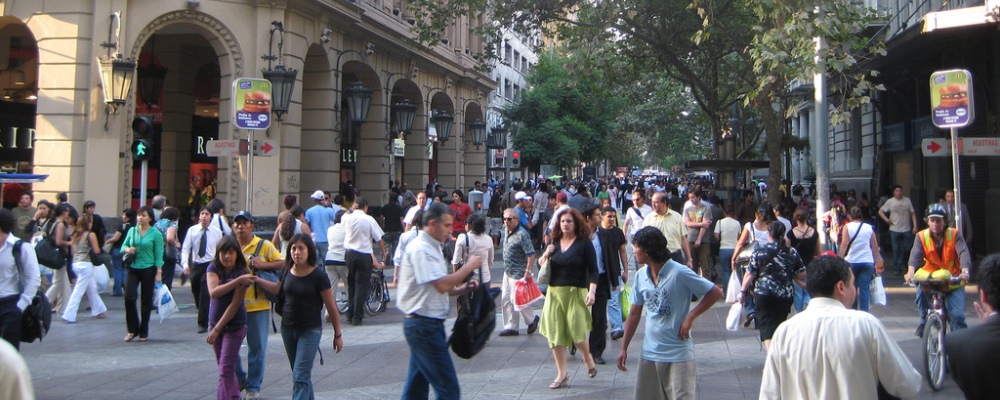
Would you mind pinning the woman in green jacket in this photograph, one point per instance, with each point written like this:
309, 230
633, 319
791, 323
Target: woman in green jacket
146, 246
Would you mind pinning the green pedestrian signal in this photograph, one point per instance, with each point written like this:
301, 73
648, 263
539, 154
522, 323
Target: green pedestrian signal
142, 150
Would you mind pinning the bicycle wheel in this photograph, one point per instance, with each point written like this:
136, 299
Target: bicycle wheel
374, 304
340, 297
934, 355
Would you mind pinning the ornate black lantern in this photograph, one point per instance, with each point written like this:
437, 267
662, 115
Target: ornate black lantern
478, 129
443, 122
282, 79
404, 112
497, 138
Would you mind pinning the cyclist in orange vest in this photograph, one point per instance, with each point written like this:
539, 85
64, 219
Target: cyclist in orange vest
940, 248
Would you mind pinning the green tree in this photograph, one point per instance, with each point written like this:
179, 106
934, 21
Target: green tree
566, 116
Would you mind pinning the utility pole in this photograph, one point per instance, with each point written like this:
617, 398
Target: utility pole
819, 136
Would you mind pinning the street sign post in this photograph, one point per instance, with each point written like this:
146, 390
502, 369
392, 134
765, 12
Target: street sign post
980, 146
252, 108
222, 148
952, 107
265, 148
935, 147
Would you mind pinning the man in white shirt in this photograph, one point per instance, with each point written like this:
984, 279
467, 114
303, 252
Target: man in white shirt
829, 351
13, 300
902, 222
421, 203
197, 252
424, 287
362, 230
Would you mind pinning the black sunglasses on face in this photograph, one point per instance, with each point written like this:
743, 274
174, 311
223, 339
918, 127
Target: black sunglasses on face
508, 219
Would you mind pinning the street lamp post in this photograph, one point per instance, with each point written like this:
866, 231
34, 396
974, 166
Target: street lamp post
117, 72
282, 79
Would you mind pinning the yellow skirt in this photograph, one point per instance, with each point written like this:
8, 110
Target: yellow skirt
566, 319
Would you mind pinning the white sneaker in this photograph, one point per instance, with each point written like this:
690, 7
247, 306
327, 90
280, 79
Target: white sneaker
252, 396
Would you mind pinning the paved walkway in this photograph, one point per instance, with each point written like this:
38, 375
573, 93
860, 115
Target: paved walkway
88, 360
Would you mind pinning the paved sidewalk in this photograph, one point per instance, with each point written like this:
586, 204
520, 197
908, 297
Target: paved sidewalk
89, 360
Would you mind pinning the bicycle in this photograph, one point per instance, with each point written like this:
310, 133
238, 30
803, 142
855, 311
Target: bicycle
935, 330
378, 299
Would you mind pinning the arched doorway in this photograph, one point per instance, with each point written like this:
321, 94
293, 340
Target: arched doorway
404, 91
18, 98
442, 166
186, 69
362, 143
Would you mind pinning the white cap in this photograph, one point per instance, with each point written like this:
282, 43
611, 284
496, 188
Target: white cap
317, 195
521, 196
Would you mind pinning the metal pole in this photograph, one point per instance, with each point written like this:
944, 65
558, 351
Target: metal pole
819, 138
956, 177
144, 176
249, 205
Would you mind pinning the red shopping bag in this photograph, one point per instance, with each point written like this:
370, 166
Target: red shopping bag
526, 292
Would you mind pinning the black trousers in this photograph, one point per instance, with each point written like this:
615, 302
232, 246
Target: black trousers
146, 278
199, 289
359, 277
599, 315
10, 320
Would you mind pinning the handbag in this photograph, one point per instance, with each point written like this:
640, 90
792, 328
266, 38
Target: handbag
475, 323
100, 259
544, 273
49, 254
128, 258
746, 253
267, 275
279, 301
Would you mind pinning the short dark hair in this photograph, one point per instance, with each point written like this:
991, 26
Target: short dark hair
216, 205
339, 217
62, 197
28, 193
296, 211
610, 210
894, 187
823, 274
461, 195
7, 221
989, 279
361, 202
131, 214
641, 192
338, 199
856, 213
149, 211
435, 212
310, 249
170, 214
652, 241
588, 210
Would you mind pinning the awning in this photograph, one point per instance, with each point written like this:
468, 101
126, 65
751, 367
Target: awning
22, 178
962, 17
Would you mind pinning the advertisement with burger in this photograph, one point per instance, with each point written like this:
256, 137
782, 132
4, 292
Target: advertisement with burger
252, 100
951, 98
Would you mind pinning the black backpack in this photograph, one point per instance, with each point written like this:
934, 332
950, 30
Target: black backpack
475, 323
37, 317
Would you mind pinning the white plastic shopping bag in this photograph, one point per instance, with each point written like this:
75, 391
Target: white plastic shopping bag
878, 292
732, 288
102, 277
165, 303
735, 315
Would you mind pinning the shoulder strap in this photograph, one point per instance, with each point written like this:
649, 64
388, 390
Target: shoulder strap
16, 252
856, 233
259, 245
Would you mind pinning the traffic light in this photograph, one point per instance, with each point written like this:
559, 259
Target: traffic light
142, 143
515, 159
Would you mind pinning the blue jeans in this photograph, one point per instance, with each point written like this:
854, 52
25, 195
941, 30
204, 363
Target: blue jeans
615, 308
954, 301
726, 259
749, 306
118, 272
257, 324
430, 362
901, 243
301, 346
862, 279
800, 297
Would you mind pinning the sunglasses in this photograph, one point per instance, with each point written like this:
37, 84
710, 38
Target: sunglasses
508, 219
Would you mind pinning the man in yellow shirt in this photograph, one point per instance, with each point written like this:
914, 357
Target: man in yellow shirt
671, 223
261, 256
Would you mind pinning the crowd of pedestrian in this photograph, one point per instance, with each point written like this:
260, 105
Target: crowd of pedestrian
611, 261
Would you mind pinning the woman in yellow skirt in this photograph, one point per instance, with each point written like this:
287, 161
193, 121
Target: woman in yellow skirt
566, 319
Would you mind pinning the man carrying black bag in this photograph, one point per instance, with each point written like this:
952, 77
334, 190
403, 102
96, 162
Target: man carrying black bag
424, 287
16, 288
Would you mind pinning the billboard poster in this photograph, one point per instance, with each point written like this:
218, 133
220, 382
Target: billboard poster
252, 102
951, 98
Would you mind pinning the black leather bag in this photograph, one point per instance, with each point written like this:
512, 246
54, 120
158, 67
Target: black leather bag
475, 324
49, 254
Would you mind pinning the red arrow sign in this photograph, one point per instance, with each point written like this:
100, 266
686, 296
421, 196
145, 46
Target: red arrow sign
267, 147
934, 147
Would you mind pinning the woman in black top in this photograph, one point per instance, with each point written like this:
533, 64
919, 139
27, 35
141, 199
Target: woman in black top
118, 272
805, 241
773, 270
306, 290
566, 320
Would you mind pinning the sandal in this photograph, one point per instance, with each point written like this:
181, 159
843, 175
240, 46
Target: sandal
129, 337
142, 339
564, 383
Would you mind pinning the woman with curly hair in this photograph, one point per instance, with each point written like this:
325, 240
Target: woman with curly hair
566, 319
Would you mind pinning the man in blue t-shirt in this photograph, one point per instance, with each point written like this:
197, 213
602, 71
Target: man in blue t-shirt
665, 288
320, 217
